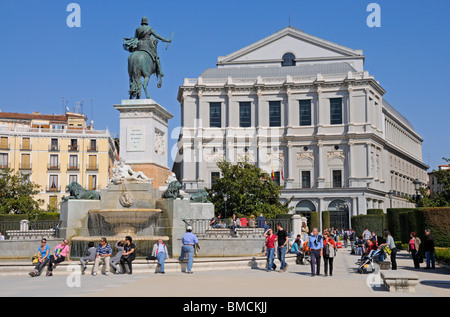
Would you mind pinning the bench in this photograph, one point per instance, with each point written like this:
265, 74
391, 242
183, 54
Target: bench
399, 281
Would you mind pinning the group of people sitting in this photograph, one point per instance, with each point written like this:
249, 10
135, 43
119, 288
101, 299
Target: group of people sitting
121, 261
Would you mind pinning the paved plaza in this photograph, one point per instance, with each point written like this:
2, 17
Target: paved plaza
233, 283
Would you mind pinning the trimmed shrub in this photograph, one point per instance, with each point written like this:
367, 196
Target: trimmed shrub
393, 221
325, 219
375, 222
314, 220
437, 219
443, 255
375, 212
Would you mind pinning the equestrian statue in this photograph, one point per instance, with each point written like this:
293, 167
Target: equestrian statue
143, 60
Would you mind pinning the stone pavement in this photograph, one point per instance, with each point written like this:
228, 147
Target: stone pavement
230, 283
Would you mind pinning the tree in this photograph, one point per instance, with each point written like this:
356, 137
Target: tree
249, 189
442, 198
17, 194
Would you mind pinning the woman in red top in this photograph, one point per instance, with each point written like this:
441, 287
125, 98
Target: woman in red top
270, 249
328, 258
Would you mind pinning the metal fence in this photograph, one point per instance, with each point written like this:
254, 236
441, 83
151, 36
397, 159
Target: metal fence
199, 226
33, 225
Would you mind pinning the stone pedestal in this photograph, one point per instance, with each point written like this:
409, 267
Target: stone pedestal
74, 217
144, 137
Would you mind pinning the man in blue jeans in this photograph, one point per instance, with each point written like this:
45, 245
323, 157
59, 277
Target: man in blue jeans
316, 245
189, 241
282, 239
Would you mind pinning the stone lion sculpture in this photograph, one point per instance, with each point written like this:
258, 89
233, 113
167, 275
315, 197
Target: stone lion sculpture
173, 190
76, 191
200, 197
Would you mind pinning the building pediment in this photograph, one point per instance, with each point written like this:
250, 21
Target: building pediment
306, 49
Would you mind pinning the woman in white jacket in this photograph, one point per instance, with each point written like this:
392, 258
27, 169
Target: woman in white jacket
160, 253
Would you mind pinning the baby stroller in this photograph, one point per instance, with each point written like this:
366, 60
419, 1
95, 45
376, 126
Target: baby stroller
367, 263
306, 253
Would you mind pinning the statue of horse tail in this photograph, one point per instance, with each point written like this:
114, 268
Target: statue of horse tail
134, 72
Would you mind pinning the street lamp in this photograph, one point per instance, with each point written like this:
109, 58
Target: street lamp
390, 194
417, 183
225, 198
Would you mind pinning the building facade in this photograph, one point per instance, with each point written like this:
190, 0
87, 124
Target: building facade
56, 150
306, 111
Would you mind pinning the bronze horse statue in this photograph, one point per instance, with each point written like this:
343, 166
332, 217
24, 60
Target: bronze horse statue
141, 64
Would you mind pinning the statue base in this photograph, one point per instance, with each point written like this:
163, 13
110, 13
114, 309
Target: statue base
155, 171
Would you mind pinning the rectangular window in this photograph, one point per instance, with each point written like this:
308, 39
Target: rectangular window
215, 114
305, 112
4, 143
25, 161
214, 177
306, 179
336, 111
26, 144
54, 145
3, 160
54, 162
73, 145
274, 113
276, 178
73, 162
245, 115
73, 179
92, 163
92, 182
53, 186
337, 178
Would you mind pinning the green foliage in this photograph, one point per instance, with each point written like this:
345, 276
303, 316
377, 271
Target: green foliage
394, 223
438, 221
326, 219
249, 189
375, 222
442, 198
314, 220
443, 255
16, 194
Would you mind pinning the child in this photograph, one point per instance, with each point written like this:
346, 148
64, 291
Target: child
116, 259
90, 257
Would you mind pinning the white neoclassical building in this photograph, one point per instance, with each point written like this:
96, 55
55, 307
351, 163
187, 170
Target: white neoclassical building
305, 110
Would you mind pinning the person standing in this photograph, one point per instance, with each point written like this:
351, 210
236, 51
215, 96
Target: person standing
316, 245
104, 252
128, 255
428, 247
270, 249
282, 238
261, 221
352, 238
59, 255
330, 246
391, 244
413, 248
189, 240
43, 258
160, 252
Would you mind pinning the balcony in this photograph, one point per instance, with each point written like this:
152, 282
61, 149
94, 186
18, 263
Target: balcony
92, 167
25, 167
25, 147
73, 148
53, 148
53, 189
92, 148
4, 165
53, 167
73, 167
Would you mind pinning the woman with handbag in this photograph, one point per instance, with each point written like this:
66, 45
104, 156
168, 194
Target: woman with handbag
42, 259
413, 248
329, 251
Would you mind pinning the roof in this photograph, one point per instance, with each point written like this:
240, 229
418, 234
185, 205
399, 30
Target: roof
397, 114
32, 116
274, 71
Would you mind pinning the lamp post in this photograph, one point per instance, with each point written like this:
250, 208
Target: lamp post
225, 198
416, 183
390, 194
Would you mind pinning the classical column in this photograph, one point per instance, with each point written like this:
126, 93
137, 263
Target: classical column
320, 160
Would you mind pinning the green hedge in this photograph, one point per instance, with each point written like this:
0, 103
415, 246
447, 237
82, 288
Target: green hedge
325, 219
402, 221
443, 255
375, 222
314, 220
394, 221
375, 212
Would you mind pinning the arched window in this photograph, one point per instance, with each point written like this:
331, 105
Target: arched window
288, 60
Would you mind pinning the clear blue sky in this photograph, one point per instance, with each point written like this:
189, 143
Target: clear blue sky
43, 60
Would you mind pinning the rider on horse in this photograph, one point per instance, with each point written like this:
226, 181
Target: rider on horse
142, 41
